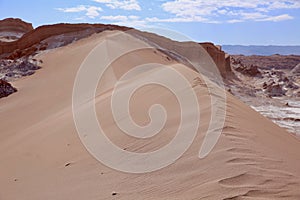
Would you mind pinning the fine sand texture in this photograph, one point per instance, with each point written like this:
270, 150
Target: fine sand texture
42, 157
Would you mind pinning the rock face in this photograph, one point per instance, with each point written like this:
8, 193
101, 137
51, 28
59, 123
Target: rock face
6, 88
248, 70
189, 52
275, 90
12, 29
272, 87
251, 70
21, 42
296, 70
15, 25
266, 80
221, 59
269, 62
41, 33
36, 39
13, 69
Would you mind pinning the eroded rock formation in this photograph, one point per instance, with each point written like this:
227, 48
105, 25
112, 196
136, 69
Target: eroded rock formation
221, 59
15, 25
6, 88
11, 70
17, 52
12, 29
296, 70
269, 62
246, 69
41, 33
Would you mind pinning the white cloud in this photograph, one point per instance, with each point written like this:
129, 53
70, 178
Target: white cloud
120, 18
206, 11
231, 11
252, 16
185, 8
123, 20
256, 16
79, 8
115, 18
179, 19
278, 18
232, 21
288, 4
121, 4
222, 11
90, 11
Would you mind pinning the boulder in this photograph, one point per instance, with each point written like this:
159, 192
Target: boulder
251, 70
275, 90
296, 70
6, 88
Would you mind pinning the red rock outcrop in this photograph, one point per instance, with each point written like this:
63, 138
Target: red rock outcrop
269, 62
221, 59
29, 42
15, 25
189, 52
43, 32
248, 70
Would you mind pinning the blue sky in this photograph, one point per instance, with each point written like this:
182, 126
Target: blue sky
246, 22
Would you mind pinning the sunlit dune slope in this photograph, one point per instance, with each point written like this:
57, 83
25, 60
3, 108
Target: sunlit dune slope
42, 157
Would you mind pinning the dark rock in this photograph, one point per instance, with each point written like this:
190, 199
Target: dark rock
275, 90
114, 193
17, 68
270, 62
285, 79
6, 88
28, 73
10, 74
296, 70
265, 85
251, 70
293, 86
67, 164
26, 66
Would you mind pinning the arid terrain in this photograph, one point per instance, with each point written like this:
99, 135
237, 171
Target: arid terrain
271, 85
42, 157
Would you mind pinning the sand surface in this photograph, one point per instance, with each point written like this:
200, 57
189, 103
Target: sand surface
42, 157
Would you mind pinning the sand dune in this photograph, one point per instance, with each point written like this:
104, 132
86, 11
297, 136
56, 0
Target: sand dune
42, 156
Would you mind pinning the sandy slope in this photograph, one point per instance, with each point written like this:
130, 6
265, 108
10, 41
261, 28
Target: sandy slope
254, 158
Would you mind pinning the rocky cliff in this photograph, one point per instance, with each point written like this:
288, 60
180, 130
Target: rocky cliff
41, 33
190, 53
12, 29
221, 59
15, 25
32, 40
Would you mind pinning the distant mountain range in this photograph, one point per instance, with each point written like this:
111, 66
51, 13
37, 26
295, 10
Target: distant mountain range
261, 50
